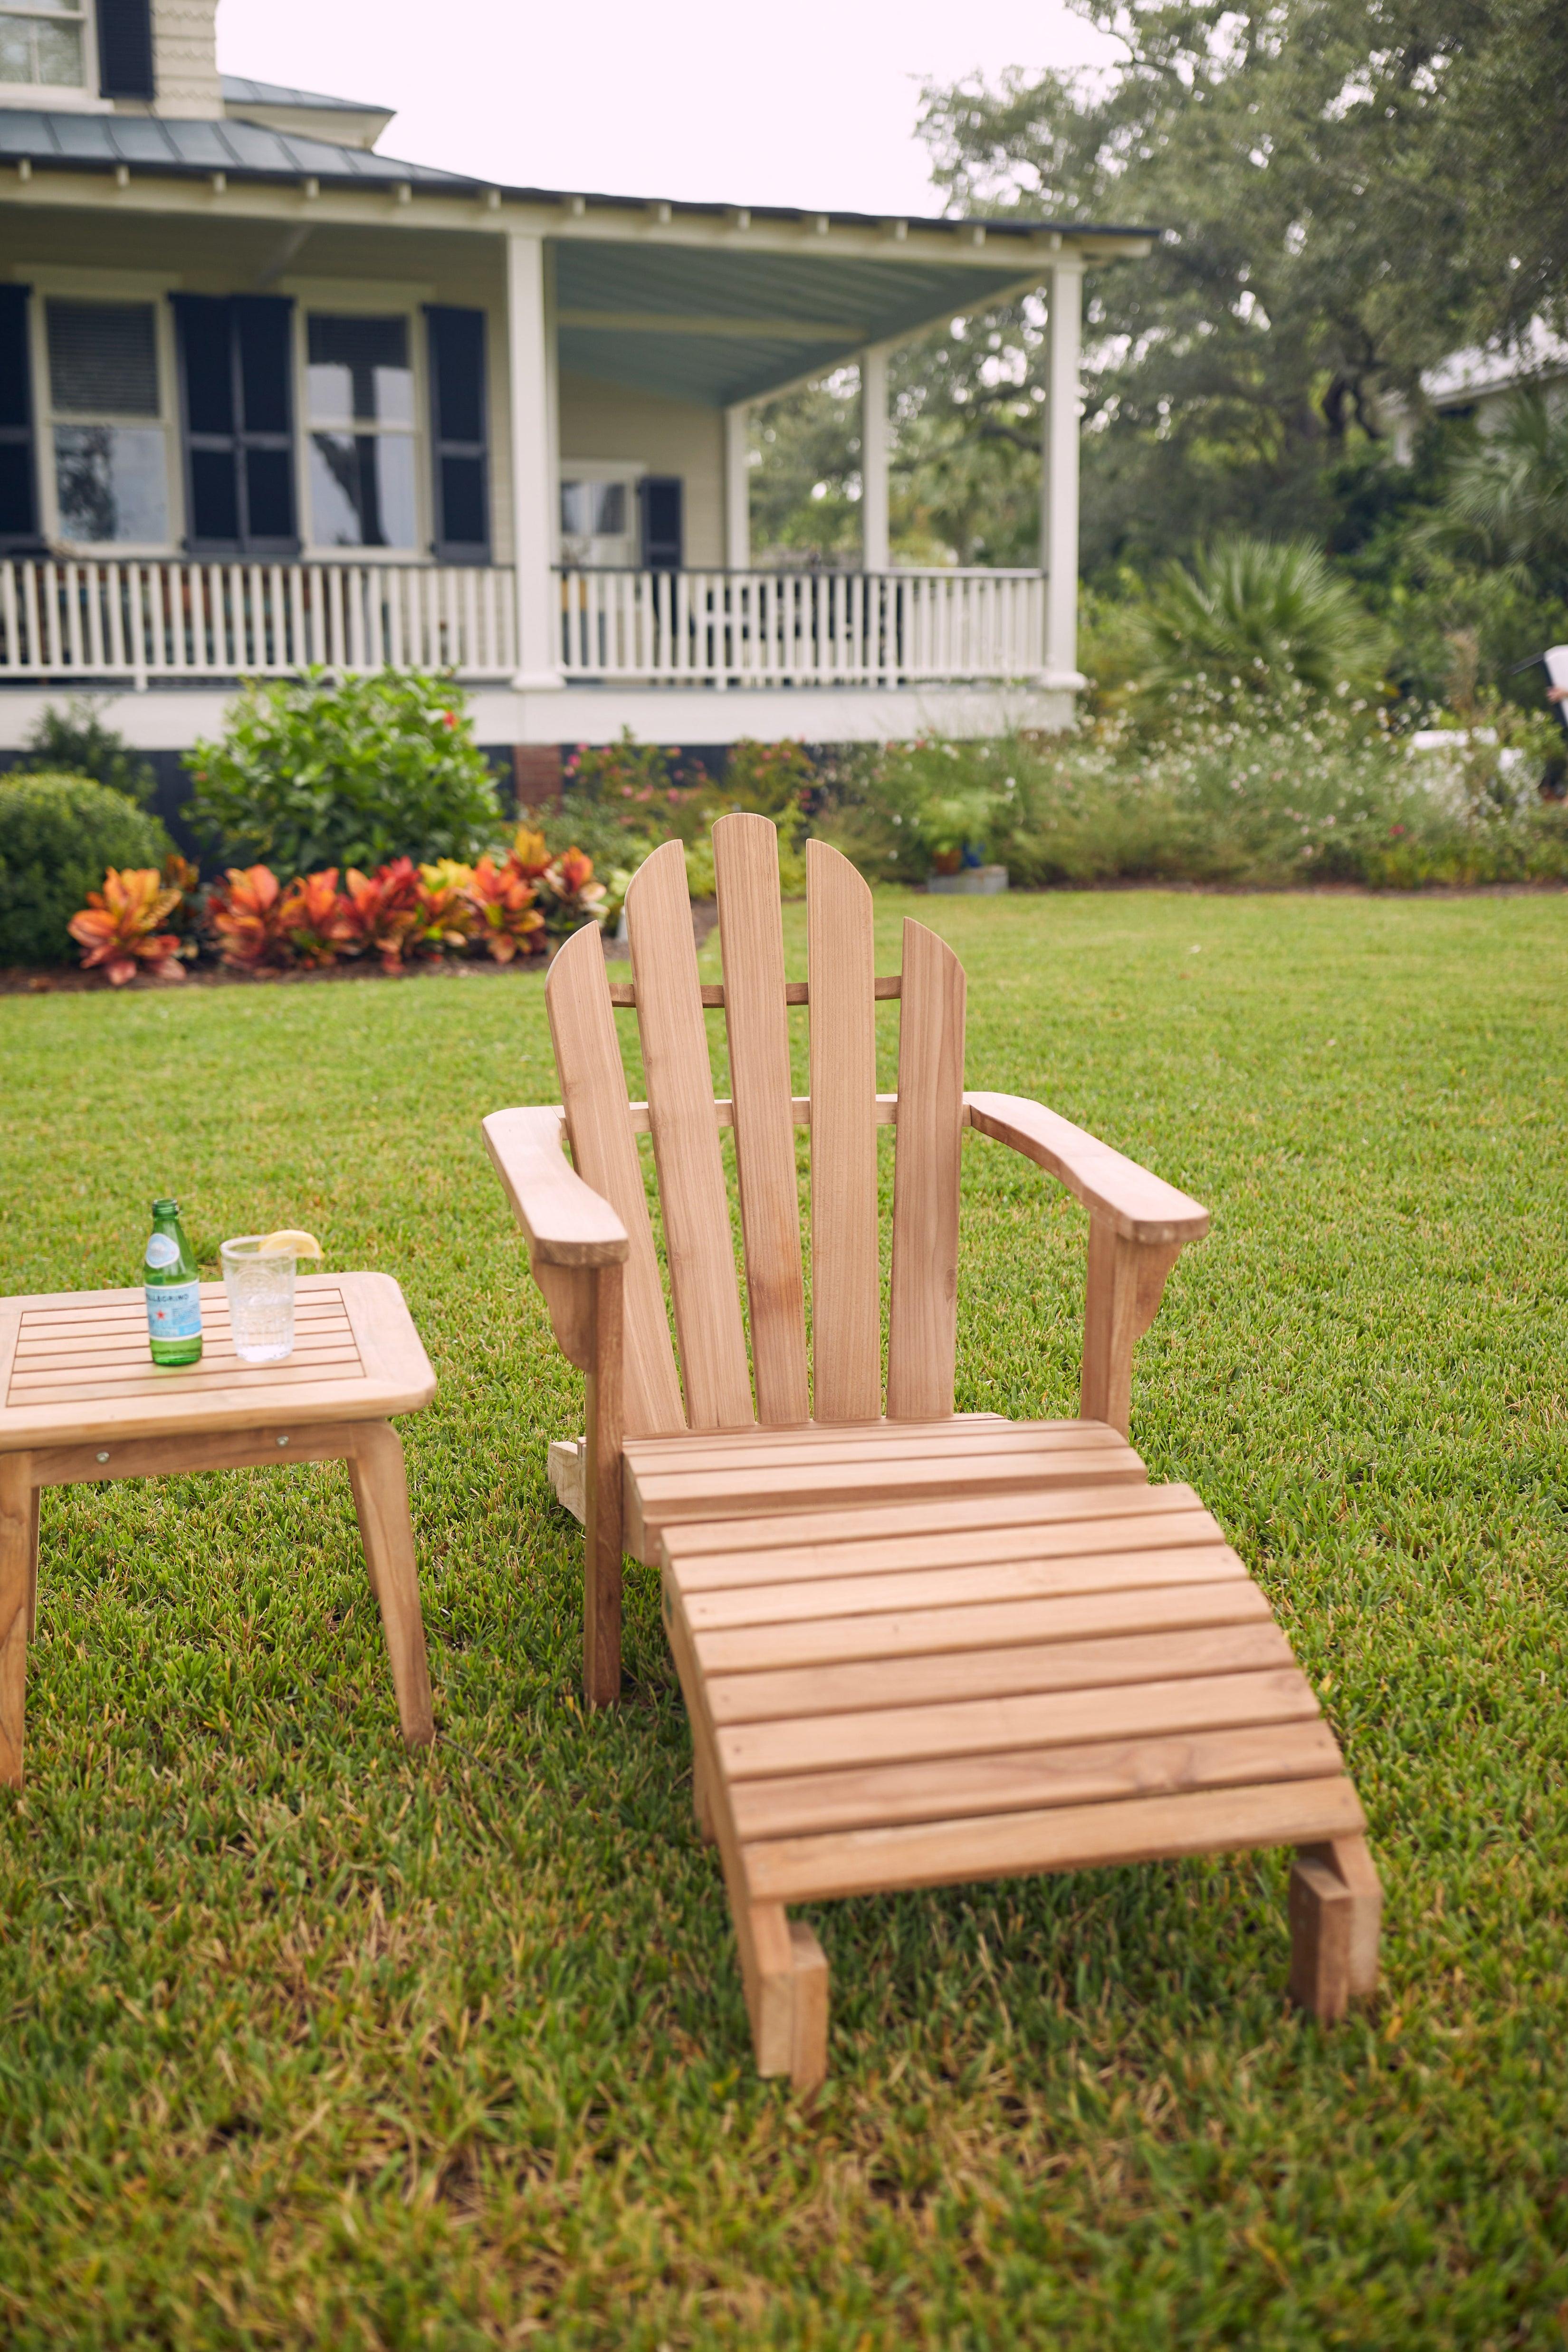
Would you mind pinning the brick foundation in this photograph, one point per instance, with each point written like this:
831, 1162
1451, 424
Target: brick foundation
536, 773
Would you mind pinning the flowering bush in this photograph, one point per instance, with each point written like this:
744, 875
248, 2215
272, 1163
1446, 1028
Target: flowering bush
354, 771
118, 929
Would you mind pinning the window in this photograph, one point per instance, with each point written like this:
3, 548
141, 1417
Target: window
109, 447
234, 352
459, 467
598, 517
42, 41
361, 460
124, 49
19, 506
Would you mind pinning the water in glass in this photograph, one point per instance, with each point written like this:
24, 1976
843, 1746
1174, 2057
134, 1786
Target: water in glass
260, 1299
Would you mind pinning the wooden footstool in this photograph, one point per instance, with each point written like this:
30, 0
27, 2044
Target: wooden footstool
81, 1398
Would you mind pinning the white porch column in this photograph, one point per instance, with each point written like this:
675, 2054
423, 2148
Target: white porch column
874, 460
1058, 469
737, 489
529, 394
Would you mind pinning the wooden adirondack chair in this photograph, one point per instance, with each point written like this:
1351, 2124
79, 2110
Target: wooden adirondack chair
917, 1649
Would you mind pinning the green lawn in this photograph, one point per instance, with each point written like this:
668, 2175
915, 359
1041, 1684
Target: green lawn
307, 2044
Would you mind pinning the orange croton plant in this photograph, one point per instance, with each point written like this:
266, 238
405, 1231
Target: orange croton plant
314, 915
248, 913
118, 926
509, 922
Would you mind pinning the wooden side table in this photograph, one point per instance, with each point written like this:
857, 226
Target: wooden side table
81, 1398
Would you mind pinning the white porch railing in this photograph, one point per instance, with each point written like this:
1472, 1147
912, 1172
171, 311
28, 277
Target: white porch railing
803, 628
143, 620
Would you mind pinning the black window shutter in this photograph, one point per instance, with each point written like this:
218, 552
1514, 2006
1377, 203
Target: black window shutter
18, 486
661, 521
236, 373
125, 49
460, 454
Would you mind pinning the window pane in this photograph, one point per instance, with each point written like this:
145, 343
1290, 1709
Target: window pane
58, 51
270, 493
15, 489
209, 363
261, 323
393, 458
575, 508
103, 359
359, 371
609, 509
15, 51
335, 490
463, 519
112, 483
215, 499
362, 490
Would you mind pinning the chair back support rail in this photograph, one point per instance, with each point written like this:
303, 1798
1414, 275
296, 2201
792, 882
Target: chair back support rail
591, 1236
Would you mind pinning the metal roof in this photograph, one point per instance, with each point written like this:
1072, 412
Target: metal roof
86, 143
239, 91
89, 141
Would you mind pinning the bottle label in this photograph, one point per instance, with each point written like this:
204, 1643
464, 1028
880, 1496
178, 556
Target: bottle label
173, 1310
163, 1250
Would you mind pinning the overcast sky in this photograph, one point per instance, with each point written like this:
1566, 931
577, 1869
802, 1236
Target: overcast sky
807, 103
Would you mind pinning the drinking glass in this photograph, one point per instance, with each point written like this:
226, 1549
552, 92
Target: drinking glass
260, 1299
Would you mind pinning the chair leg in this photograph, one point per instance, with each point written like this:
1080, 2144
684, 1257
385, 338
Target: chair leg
18, 1605
1336, 1919
703, 1800
381, 1498
786, 1970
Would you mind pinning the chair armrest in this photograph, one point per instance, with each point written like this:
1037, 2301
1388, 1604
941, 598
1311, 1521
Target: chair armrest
567, 1223
1139, 1207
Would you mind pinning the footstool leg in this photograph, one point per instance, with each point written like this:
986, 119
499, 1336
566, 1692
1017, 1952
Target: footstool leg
1336, 1919
381, 1498
786, 1973
18, 1604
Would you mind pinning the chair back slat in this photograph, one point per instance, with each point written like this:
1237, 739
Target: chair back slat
751, 934
845, 1300
922, 1323
701, 1258
604, 1147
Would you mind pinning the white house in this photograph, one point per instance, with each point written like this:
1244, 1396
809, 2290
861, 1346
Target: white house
269, 397
1480, 382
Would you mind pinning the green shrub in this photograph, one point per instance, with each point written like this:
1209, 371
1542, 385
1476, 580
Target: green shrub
353, 772
1269, 795
1259, 615
75, 742
58, 837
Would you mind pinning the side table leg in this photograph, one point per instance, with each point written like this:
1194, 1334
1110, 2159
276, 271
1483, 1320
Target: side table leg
18, 1604
381, 1498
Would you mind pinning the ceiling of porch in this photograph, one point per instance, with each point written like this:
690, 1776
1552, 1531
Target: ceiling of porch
721, 327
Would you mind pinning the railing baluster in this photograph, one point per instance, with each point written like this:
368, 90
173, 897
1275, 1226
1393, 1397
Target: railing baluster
11, 653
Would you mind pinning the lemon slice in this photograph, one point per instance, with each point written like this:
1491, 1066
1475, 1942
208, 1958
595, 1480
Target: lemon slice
289, 1242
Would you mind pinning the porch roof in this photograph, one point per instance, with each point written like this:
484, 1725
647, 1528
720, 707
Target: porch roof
713, 303
721, 327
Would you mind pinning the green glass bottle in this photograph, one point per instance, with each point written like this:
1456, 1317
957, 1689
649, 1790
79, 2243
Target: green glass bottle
173, 1292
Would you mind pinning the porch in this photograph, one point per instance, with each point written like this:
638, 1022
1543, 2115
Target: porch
266, 417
